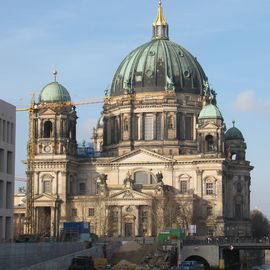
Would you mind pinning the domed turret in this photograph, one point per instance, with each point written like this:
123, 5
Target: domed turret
54, 92
159, 65
210, 111
235, 144
234, 133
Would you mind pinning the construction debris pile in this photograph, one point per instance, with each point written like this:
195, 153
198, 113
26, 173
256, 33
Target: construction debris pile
133, 256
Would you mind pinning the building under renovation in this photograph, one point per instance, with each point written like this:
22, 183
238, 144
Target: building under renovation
161, 154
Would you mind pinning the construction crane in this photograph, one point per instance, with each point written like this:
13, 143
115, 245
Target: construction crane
30, 215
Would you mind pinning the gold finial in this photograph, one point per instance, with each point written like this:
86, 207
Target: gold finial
55, 72
160, 18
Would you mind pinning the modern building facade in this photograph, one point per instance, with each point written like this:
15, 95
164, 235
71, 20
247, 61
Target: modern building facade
162, 154
7, 169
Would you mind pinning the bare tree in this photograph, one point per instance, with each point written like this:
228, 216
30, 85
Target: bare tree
259, 224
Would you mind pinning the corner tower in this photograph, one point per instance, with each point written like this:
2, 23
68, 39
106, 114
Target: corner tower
51, 152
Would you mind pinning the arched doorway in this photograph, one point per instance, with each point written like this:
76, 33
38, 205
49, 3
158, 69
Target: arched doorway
129, 225
199, 259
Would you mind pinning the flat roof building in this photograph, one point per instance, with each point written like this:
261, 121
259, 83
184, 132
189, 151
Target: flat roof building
7, 169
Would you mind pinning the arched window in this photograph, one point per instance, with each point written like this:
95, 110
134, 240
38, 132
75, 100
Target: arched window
234, 156
143, 178
47, 129
209, 143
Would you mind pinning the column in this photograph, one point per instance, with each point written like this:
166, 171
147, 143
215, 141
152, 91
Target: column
56, 220
149, 229
119, 219
36, 182
63, 193
199, 183
194, 127
137, 224
56, 180
52, 221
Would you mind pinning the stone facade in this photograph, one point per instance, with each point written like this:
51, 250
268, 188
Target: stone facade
162, 156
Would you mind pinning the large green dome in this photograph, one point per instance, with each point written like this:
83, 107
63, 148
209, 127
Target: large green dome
157, 66
54, 92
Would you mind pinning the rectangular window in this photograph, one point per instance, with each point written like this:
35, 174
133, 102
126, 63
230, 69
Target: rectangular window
12, 133
4, 130
1, 194
91, 212
188, 128
70, 187
209, 188
9, 195
159, 126
183, 186
8, 132
47, 187
210, 231
148, 128
82, 188
2, 160
9, 162
74, 212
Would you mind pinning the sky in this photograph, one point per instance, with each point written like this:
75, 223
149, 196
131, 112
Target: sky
87, 40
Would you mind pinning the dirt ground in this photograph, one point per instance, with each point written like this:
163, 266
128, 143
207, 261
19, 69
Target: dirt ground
133, 252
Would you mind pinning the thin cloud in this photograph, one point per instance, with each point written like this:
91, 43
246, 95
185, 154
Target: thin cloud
248, 102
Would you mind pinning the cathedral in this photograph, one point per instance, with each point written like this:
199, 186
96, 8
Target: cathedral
162, 156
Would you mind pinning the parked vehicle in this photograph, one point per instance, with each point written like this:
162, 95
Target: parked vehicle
189, 265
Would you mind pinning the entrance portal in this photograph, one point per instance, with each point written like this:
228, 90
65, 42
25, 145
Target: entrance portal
128, 229
44, 221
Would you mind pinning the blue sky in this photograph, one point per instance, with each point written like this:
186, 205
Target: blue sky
87, 40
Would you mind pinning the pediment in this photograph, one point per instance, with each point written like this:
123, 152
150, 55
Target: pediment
210, 125
141, 156
48, 112
129, 194
45, 198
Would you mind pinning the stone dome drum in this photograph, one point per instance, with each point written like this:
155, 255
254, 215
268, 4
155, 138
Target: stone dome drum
157, 66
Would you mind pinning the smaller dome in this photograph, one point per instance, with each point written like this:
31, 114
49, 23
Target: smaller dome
54, 92
100, 122
209, 112
234, 134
